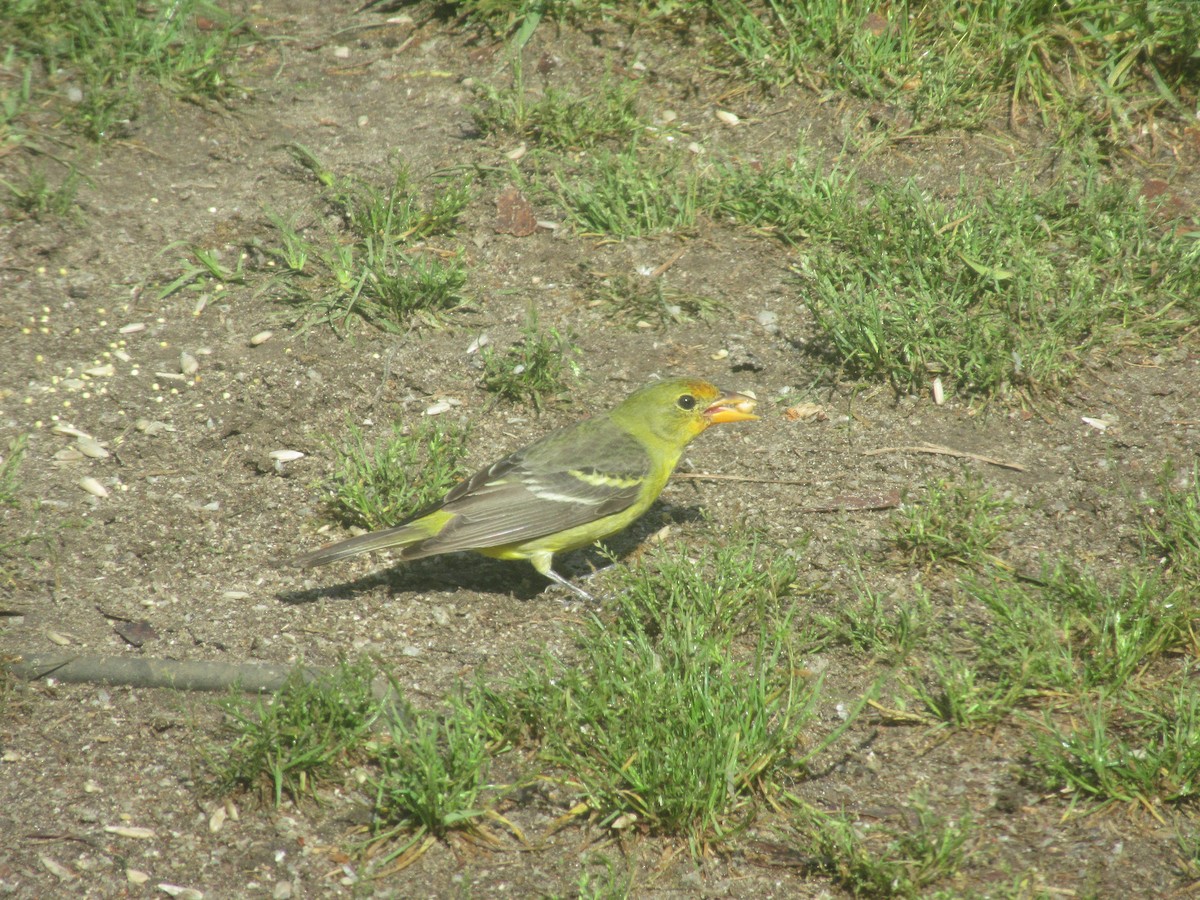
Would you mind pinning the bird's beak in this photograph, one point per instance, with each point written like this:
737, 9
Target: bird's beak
732, 407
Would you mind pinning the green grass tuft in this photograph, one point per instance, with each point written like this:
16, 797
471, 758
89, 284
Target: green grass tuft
954, 522
1172, 524
112, 51
886, 860
388, 273
539, 367
559, 119
647, 301
381, 483
306, 732
684, 713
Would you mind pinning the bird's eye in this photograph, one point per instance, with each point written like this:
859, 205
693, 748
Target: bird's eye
687, 401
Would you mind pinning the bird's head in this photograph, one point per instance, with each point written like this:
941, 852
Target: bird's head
676, 410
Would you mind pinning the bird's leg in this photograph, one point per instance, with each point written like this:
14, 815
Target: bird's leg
573, 588
542, 562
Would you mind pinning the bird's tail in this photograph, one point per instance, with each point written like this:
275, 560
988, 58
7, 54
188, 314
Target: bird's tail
409, 535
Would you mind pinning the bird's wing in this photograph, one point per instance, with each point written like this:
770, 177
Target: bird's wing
568, 479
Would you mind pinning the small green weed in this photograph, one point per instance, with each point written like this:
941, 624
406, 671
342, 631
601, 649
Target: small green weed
1069, 632
293, 255
960, 689
682, 600
301, 735
208, 272
630, 194
536, 368
398, 214
432, 777
14, 536
1127, 747
559, 119
885, 860
956, 521
400, 286
381, 275
1172, 524
877, 624
36, 197
10, 469
382, 483
646, 301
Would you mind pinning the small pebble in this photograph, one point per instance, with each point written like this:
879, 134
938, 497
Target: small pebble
261, 338
727, 117
768, 320
188, 364
132, 327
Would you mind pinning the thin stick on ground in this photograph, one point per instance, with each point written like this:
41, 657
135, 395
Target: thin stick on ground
948, 451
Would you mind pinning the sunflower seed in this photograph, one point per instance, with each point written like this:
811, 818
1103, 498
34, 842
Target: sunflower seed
91, 447
132, 328
68, 454
100, 371
261, 338
129, 831
180, 893
1100, 424
92, 486
727, 117
57, 869
69, 430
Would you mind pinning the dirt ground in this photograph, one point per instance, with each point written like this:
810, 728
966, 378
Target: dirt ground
196, 510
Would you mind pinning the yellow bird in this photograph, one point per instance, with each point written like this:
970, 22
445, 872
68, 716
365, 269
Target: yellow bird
573, 487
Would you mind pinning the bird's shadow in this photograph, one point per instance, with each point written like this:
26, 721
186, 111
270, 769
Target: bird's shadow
456, 572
